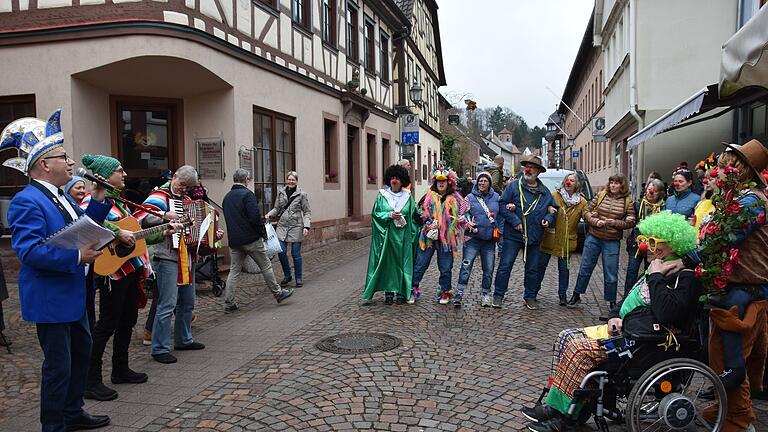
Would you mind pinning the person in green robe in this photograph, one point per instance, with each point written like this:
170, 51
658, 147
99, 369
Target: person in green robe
390, 261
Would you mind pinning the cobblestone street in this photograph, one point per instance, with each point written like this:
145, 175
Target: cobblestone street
457, 369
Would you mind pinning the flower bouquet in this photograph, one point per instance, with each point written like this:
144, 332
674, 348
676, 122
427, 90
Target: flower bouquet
719, 234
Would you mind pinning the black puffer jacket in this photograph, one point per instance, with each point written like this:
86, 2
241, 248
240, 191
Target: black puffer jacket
241, 212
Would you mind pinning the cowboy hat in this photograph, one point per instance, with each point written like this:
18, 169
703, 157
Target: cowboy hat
534, 160
754, 154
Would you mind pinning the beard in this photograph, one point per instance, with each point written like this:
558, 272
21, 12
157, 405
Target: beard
530, 178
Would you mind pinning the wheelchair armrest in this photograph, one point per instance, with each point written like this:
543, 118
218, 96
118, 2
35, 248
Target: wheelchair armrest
661, 338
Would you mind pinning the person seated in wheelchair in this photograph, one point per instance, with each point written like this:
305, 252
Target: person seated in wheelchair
663, 299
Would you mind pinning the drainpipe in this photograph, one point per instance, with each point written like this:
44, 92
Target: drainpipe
640, 150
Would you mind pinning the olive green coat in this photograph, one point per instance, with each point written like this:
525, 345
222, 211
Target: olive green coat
554, 243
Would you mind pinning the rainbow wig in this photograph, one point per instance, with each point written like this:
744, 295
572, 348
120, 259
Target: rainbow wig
679, 234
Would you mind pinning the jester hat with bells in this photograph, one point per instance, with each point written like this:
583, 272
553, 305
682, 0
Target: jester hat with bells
442, 172
33, 138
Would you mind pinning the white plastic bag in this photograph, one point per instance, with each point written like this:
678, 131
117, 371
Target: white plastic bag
272, 245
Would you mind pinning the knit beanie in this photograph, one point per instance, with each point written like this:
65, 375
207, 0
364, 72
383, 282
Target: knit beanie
486, 175
100, 164
70, 184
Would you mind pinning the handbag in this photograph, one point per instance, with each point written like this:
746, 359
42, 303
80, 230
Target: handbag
272, 244
496, 231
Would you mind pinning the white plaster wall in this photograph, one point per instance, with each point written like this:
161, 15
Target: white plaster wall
85, 109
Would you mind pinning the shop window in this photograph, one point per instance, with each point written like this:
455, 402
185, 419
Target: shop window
273, 141
371, 153
353, 44
331, 148
759, 121
329, 21
385, 156
12, 181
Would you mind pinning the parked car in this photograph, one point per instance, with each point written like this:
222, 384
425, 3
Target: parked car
552, 178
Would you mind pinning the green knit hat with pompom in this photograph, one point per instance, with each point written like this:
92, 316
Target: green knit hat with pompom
680, 235
100, 164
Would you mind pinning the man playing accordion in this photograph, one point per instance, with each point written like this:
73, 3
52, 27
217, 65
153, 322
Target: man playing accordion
174, 268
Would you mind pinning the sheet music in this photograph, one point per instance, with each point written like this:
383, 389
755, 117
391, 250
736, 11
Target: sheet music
79, 233
204, 230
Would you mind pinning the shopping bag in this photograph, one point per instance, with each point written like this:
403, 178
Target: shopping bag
272, 245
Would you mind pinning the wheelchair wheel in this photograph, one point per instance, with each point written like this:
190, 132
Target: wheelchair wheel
668, 397
217, 286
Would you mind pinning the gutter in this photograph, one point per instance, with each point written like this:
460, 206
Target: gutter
640, 152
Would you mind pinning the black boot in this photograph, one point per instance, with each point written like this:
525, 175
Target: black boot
98, 391
286, 280
389, 298
563, 301
575, 299
126, 375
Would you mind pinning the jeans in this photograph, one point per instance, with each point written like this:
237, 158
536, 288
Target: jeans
172, 299
486, 249
118, 312
295, 254
444, 264
593, 247
66, 347
633, 270
237, 257
562, 273
508, 255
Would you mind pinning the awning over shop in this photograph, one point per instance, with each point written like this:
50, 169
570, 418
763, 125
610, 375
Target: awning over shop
689, 107
745, 61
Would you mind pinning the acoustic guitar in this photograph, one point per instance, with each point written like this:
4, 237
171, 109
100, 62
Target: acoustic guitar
115, 254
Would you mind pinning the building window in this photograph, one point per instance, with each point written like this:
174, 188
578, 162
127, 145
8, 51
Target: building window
301, 12
273, 138
384, 57
270, 3
410, 72
12, 181
385, 156
331, 149
329, 21
371, 152
370, 46
147, 143
353, 45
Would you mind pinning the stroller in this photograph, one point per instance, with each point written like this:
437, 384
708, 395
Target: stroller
207, 269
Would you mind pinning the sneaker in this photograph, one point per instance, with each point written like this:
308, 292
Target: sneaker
286, 280
412, 300
400, 299
497, 302
147, 338
389, 298
485, 300
563, 301
299, 283
531, 304
193, 346
457, 302
444, 297
165, 358
283, 294
444, 300
554, 425
539, 413
230, 308
129, 377
99, 392
575, 299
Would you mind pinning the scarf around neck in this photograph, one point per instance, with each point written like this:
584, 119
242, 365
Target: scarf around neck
396, 200
570, 200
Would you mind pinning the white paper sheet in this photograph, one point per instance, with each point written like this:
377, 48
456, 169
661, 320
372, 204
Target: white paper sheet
79, 233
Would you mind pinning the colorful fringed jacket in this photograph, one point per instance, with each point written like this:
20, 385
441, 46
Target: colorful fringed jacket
447, 211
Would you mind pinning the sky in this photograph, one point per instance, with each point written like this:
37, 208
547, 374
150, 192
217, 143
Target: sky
506, 52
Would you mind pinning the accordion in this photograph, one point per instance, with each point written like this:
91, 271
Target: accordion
198, 238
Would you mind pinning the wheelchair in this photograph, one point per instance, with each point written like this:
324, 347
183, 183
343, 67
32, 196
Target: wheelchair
652, 383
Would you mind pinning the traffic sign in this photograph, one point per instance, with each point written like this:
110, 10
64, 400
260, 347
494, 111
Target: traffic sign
409, 127
575, 153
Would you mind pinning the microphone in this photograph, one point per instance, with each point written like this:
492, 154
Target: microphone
82, 172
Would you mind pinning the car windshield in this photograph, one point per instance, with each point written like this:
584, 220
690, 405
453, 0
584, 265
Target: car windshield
551, 182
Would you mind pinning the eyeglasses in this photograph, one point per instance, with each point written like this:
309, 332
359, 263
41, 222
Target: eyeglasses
652, 242
64, 156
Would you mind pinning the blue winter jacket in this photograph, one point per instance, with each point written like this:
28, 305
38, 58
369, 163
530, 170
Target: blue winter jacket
537, 214
682, 203
484, 225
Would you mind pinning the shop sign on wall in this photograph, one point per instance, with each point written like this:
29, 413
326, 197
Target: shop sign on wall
210, 158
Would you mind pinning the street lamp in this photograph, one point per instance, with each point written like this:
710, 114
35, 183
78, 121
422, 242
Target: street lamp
415, 93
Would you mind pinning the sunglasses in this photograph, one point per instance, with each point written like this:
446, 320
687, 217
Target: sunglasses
652, 242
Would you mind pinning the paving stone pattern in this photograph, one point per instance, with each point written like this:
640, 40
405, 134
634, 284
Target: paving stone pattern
468, 369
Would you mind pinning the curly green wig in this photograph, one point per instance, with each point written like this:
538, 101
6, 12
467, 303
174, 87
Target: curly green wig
673, 228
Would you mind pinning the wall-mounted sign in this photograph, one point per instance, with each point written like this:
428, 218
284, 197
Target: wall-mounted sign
245, 159
454, 119
210, 158
575, 154
598, 129
409, 129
